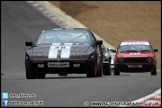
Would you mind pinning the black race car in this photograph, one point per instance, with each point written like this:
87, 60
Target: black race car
64, 51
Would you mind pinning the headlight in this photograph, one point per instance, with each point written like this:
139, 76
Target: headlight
27, 57
92, 56
149, 60
120, 60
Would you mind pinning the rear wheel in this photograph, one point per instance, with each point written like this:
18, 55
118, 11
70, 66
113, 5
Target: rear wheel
107, 70
116, 72
94, 73
154, 71
100, 72
30, 76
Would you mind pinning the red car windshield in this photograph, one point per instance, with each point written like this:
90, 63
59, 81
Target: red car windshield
135, 48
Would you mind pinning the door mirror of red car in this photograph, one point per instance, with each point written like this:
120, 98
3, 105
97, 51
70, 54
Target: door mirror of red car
113, 50
110, 49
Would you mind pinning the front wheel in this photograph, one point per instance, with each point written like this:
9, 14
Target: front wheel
93, 73
30, 74
107, 70
41, 76
116, 72
100, 72
154, 72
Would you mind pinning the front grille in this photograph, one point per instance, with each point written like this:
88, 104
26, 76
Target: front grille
135, 60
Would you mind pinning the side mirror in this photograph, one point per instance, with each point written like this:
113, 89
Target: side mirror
155, 50
110, 49
29, 43
99, 42
114, 50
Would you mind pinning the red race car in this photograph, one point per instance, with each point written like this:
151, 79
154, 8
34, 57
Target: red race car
135, 56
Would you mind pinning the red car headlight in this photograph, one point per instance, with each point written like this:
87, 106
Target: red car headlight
149, 59
120, 60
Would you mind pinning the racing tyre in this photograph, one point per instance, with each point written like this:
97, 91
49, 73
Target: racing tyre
41, 76
116, 72
30, 74
92, 74
100, 72
154, 71
107, 70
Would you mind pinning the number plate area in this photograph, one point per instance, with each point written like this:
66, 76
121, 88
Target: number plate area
58, 64
134, 66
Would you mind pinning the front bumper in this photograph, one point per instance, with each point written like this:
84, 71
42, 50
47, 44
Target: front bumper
85, 67
140, 67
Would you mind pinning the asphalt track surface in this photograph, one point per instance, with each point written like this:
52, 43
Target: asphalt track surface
20, 22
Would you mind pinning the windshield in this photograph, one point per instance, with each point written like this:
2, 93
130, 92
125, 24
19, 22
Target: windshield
135, 48
64, 36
